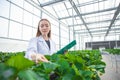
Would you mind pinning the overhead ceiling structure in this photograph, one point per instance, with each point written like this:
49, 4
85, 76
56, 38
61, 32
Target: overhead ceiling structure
91, 17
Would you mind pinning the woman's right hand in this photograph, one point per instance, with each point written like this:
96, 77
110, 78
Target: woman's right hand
38, 57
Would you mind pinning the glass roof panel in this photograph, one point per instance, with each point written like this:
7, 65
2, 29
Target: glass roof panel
89, 8
44, 1
92, 14
80, 28
96, 14
66, 22
68, 4
51, 10
61, 10
98, 24
79, 20
95, 18
36, 1
84, 1
117, 22
72, 12
116, 2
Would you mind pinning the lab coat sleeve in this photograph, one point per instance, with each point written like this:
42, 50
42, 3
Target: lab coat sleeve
32, 48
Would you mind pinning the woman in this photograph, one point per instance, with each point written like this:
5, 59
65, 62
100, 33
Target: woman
42, 44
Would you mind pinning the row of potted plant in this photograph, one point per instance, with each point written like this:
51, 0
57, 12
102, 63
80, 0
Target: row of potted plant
113, 51
75, 65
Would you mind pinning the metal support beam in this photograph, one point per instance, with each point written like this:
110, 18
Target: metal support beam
95, 28
51, 2
96, 31
99, 34
113, 19
67, 9
78, 13
95, 22
55, 11
90, 2
89, 13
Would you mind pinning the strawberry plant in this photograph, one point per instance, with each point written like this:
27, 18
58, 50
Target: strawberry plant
76, 65
113, 51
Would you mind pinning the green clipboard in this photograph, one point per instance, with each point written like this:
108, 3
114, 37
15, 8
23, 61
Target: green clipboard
68, 46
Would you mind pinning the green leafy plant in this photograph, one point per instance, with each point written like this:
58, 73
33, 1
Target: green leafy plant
76, 65
113, 51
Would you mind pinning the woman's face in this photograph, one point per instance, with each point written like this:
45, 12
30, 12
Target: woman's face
44, 27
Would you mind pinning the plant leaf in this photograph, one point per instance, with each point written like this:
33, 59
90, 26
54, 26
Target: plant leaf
49, 66
19, 62
29, 75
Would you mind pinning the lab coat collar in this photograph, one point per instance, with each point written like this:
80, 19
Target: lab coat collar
40, 38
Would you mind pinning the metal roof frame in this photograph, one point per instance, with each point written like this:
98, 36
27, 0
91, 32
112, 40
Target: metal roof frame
94, 12
69, 5
113, 19
78, 13
51, 2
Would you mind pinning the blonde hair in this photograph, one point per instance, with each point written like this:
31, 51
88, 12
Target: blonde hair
38, 31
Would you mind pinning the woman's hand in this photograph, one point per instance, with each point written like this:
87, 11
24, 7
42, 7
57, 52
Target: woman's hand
38, 57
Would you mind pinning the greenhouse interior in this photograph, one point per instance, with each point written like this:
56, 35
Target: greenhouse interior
85, 36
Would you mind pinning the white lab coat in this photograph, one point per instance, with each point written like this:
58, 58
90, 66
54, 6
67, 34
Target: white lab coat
38, 45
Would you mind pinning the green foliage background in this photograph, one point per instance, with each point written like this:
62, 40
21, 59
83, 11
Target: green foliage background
75, 65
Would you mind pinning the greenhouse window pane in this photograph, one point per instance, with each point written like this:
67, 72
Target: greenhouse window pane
45, 1
84, 1
117, 22
64, 42
55, 38
98, 18
79, 20
18, 2
35, 21
79, 27
15, 30
59, 7
83, 31
66, 22
3, 27
109, 4
61, 10
68, 4
116, 26
72, 12
36, 1
27, 32
36, 11
70, 21
64, 32
28, 7
16, 13
88, 8
55, 29
116, 3
110, 37
34, 30
4, 8
97, 38
28, 18
99, 25
64, 13
49, 8
54, 22
105, 13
